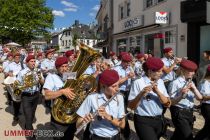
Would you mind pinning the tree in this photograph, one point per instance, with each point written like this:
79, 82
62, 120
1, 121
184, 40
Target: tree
23, 20
74, 40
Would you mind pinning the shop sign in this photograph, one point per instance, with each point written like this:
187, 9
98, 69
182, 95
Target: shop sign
161, 17
133, 22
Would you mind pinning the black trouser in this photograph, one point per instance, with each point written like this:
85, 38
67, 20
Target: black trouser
183, 121
29, 103
16, 107
67, 129
126, 130
95, 137
148, 128
204, 133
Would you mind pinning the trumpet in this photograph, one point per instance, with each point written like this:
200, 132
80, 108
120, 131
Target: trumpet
83, 125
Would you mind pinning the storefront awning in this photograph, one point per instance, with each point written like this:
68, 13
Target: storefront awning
137, 29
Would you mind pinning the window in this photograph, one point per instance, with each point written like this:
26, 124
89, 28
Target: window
121, 13
160, 0
149, 3
169, 37
88, 43
128, 9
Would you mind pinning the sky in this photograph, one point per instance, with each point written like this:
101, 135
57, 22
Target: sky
67, 11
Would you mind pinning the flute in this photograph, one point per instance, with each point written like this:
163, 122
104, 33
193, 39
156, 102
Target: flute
83, 125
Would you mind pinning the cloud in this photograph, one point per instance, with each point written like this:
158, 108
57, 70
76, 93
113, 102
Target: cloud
58, 13
96, 8
70, 6
92, 14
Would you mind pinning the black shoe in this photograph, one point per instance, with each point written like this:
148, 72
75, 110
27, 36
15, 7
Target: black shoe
15, 121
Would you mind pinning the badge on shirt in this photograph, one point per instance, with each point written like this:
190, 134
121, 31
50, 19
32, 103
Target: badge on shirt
69, 75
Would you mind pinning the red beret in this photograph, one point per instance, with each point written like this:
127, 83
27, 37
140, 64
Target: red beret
17, 54
69, 53
139, 56
9, 54
108, 77
208, 68
188, 65
154, 63
112, 53
39, 54
126, 57
49, 51
166, 50
60, 61
29, 57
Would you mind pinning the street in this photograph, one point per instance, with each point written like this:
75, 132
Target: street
43, 118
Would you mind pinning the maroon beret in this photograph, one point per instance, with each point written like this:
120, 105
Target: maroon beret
166, 50
17, 54
108, 77
49, 51
154, 63
69, 53
9, 54
188, 65
29, 57
126, 57
60, 61
39, 54
208, 68
139, 56
112, 53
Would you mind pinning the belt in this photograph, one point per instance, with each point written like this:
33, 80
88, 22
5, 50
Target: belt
115, 137
30, 93
183, 109
158, 117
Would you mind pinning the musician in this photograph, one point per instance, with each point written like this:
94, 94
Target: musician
138, 64
147, 97
110, 117
204, 88
12, 70
30, 95
126, 73
169, 66
39, 60
106, 64
53, 89
4, 65
48, 64
182, 92
114, 58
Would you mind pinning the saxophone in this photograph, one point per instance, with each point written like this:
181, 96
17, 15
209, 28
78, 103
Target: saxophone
63, 109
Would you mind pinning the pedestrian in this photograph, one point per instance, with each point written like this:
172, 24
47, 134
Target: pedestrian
111, 117
182, 92
204, 88
147, 97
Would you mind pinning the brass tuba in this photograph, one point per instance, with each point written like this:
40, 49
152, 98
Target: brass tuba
63, 109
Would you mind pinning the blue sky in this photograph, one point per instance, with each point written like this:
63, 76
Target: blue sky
67, 11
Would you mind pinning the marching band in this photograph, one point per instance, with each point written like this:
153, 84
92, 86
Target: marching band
145, 84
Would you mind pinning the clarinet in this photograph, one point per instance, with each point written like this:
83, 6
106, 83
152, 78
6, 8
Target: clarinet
95, 114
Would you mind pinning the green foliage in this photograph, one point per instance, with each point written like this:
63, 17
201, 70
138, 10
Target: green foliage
74, 40
22, 20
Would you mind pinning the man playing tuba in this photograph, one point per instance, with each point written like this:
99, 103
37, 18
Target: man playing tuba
53, 89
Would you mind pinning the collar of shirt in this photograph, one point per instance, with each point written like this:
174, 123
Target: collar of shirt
103, 96
181, 79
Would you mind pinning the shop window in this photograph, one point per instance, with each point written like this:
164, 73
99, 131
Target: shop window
121, 11
169, 37
149, 3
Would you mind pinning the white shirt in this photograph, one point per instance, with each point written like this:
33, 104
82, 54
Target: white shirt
14, 67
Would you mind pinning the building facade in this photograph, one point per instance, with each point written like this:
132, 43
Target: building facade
148, 26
